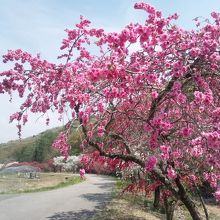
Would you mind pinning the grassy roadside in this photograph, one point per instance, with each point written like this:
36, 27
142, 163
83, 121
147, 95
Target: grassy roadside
48, 181
127, 206
132, 207
69, 182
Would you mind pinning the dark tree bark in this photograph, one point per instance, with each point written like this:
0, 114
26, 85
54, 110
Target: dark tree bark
187, 201
179, 194
156, 198
169, 208
202, 202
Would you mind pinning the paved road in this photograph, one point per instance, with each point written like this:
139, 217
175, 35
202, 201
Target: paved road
80, 201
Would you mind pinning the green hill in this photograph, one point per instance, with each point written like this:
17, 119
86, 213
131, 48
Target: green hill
38, 147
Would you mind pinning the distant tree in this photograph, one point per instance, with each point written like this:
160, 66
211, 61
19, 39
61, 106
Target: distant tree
40, 150
69, 164
25, 154
59, 163
43, 150
75, 140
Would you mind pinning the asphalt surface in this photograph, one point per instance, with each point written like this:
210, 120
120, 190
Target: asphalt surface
80, 201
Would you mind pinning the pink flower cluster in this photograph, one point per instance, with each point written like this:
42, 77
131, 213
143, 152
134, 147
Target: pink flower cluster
217, 195
82, 173
212, 179
213, 139
171, 173
146, 7
61, 144
150, 163
149, 89
186, 132
206, 98
165, 150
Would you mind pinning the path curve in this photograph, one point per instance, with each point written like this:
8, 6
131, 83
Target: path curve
78, 202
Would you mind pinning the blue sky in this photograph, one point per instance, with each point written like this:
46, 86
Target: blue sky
37, 27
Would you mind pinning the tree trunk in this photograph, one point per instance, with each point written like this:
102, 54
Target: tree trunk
156, 197
187, 201
202, 202
169, 208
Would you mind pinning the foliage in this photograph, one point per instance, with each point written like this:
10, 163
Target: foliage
26, 149
8, 151
25, 154
40, 150
156, 107
75, 139
43, 150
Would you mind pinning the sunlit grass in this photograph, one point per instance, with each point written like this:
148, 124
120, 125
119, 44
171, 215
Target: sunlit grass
12, 183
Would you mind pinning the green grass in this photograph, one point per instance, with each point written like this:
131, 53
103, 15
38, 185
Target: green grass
121, 184
69, 182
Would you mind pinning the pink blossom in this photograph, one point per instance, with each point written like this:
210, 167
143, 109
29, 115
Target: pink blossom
164, 152
186, 132
150, 163
153, 85
213, 139
217, 194
100, 107
15, 116
197, 151
89, 134
208, 99
176, 154
181, 98
82, 173
25, 119
216, 112
215, 15
211, 178
171, 173
146, 7
85, 160
193, 178
147, 127
61, 143
199, 96
154, 94
101, 130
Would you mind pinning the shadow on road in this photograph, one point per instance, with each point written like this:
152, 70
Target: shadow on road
105, 186
80, 215
99, 198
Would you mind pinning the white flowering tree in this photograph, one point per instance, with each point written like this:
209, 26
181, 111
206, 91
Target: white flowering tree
70, 164
59, 162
